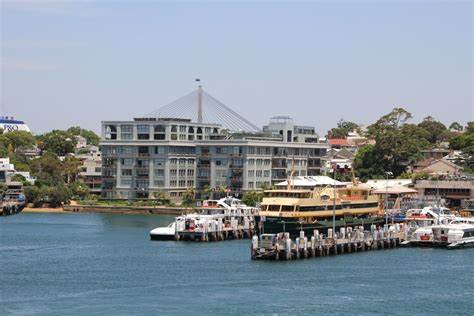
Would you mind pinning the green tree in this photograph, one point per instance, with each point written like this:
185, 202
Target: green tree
79, 190
47, 169
343, 129
19, 178
58, 195
251, 198
70, 168
189, 197
455, 126
58, 142
91, 137
470, 127
434, 128
21, 162
33, 195
16, 141
369, 163
397, 145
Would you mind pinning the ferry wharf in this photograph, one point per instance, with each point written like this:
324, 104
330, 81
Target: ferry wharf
10, 208
281, 247
213, 230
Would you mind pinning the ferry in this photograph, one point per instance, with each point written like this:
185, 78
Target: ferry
215, 215
459, 233
294, 210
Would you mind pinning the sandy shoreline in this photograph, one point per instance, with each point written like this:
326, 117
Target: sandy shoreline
68, 209
43, 210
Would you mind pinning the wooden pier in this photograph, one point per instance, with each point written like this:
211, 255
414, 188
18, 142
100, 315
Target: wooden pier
281, 247
214, 230
10, 208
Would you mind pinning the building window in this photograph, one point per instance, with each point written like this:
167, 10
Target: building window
127, 172
250, 185
190, 183
158, 162
266, 173
125, 182
182, 183
126, 132
110, 132
159, 183
127, 161
159, 132
190, 172
128, 150
143, 131
173, 172
259, 173
159, 172
182, 172
173, 183
251, 173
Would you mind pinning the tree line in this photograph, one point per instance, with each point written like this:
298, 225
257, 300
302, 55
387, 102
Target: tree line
398, 143
56, 179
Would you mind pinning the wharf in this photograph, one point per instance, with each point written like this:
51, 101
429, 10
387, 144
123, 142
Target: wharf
281, 247
226, 233
10, 208
212, 228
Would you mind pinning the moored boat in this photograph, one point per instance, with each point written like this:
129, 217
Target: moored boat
293, 210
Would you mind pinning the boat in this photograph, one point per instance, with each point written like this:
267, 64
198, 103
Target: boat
456, 234
164, 233
10, 124
462, 236
294, 210
215, 215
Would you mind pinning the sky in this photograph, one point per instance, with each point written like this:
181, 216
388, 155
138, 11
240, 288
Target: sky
77, 63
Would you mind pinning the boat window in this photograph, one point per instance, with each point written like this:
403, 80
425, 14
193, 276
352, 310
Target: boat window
287, 208
275, 208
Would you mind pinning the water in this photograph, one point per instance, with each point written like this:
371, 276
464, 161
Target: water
88, 264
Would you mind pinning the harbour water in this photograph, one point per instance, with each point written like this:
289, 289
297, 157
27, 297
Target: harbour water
96, 264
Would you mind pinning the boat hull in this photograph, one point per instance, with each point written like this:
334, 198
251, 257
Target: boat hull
274, 225
161, 237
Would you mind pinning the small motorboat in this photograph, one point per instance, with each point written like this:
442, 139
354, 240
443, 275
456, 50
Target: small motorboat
164, 233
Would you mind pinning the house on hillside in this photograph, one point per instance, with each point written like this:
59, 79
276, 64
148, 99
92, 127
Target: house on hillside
437, 167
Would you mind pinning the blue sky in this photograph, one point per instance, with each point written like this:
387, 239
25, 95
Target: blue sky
69, 63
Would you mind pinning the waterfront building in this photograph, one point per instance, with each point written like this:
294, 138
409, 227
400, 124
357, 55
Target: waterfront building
177, 147
453, 191
7, 172
91, 171
437, 167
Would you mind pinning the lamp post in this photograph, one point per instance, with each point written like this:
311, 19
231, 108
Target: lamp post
387, 174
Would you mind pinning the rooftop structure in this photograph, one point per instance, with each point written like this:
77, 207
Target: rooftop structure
202, 108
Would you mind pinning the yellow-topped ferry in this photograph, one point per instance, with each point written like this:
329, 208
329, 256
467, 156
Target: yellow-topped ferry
292, 210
